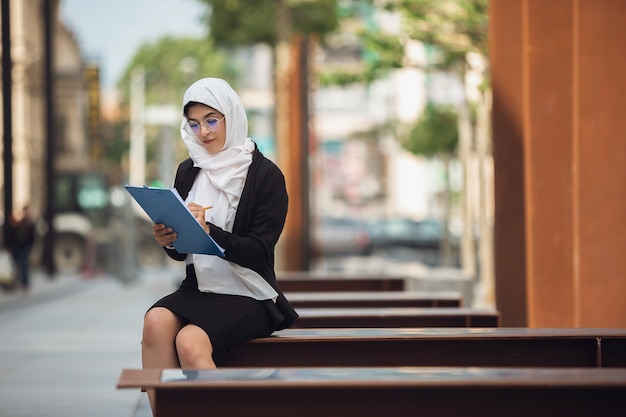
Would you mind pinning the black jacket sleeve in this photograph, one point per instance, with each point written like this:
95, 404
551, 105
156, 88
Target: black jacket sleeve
259, 221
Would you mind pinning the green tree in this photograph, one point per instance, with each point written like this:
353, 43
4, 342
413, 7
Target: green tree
452, 28
246, 22
381, 52
171, 64
436, 135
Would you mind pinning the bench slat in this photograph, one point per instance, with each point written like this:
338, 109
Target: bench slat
501, 347
396, 317
371, 392
377, 299
339, 282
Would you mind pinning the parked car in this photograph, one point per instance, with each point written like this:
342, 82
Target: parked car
407, 239
403, 232
341, 236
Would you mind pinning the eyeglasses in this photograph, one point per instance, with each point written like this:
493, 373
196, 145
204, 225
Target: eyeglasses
212, 124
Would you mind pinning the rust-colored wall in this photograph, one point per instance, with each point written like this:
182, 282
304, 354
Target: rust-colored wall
508, 155
558, 72
600, 135
547, 66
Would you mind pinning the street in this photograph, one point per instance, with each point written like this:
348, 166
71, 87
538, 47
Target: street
63, 346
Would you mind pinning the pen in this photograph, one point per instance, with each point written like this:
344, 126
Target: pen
207, 207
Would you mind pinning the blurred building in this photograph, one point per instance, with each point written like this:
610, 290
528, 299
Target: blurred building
359, 167
76, 119
70, 95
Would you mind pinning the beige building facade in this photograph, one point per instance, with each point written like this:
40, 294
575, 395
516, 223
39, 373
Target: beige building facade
28, 103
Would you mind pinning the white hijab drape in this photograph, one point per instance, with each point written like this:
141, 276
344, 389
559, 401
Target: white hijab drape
226, 170
219, 183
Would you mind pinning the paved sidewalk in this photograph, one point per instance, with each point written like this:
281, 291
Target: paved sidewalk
64, 345
40, 284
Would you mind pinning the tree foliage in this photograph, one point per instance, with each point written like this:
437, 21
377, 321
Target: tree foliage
244, 22
381, 54
171, 64
435, 133
451, 27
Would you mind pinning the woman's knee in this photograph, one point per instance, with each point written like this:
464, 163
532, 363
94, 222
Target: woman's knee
159, 323
194, 347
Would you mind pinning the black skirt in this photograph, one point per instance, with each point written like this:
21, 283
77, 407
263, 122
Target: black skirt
227, 319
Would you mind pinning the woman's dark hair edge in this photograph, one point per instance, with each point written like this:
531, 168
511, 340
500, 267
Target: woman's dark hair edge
188, 106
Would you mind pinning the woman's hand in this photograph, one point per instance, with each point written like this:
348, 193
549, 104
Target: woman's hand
163, 235
198, 213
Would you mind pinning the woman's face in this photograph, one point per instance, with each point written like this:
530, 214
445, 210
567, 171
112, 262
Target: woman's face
210, 133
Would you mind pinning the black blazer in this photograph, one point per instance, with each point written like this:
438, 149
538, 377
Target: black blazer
257, 226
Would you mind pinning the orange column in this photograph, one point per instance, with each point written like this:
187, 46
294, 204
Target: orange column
505, 32
549, 175
293, 157
560, 159
600, 140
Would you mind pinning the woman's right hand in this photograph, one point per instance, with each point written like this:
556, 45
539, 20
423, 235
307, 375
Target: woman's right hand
163, 235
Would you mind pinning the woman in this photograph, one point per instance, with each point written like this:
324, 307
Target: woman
221, 301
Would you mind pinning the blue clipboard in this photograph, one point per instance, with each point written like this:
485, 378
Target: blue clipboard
164, 205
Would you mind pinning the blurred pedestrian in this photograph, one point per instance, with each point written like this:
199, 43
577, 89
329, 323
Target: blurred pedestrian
226, 300
19, 239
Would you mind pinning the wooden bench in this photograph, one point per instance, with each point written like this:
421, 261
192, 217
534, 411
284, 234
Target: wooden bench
375, 392
488, 347
302, 281
376, 299
396, 317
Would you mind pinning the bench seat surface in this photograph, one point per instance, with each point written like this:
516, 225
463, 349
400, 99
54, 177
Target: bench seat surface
396, 376
425, 333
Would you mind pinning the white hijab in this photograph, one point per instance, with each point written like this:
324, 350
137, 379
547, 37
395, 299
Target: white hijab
219, 183
225, 171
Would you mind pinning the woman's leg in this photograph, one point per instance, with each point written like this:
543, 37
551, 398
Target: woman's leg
158, 350
194, 348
